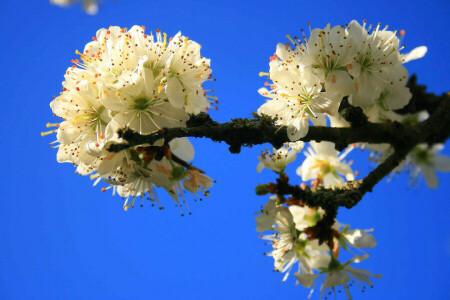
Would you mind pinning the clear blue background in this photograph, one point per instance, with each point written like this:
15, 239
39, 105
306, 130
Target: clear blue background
63, 239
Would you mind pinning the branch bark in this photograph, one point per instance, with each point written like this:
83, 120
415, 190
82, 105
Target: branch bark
261, 129
352, 192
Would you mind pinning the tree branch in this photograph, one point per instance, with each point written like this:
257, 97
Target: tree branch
261, 129
352, 192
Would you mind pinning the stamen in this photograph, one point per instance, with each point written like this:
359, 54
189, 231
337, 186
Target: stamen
48, 132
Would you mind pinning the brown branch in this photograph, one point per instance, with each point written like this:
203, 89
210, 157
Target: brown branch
352, 192
261, 129
257, 131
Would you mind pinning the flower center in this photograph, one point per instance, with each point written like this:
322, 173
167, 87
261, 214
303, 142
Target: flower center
141, 104
422, 156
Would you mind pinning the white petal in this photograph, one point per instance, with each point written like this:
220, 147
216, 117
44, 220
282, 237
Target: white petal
362, 271
174, 91
182, 148
416, 53
354, 69
260, 167
334, 279
430, 176
360, 238
295, 134
397, 97
325, 149
307, 280
264, 222
339, 82
441, 163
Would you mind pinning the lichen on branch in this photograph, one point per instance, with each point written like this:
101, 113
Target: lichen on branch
261, 129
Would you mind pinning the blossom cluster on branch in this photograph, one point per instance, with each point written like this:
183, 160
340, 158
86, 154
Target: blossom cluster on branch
129, 104
145, 82
311, 77
310, 80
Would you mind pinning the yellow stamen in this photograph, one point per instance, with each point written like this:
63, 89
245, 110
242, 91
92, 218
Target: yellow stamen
261, 74
48, 132
186, 39
123, 47
289, 37
165, 40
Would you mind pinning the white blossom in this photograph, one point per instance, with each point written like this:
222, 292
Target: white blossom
297, 97
289, 244
426, 160
377, 70
126, 80
330, 53
90, 6
266, 219
276, 161
324, 162
337, 276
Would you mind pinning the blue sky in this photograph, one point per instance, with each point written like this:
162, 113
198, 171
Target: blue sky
63, 239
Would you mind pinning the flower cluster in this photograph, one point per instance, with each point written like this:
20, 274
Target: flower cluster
294, 245
309, 81
90, 6
323, 164
362, 63
423, 159
311, 77
296, 229
144, 82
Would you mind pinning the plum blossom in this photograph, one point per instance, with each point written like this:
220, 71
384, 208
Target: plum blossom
337, 276
311, 76
125, 79
297, 97
425, 160
324, 162
277, 161
377, 69
90, 6
290, 245
266, 219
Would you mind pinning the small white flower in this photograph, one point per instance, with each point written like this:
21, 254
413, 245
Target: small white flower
140, 107
378, 68
277, 161
337, 275
297, 146
297, 97
141, 182
330, 53
289, 243
283, 242
196, 181
360, 238
265, 221
356, 238
90, 6
324, 162
424, 159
